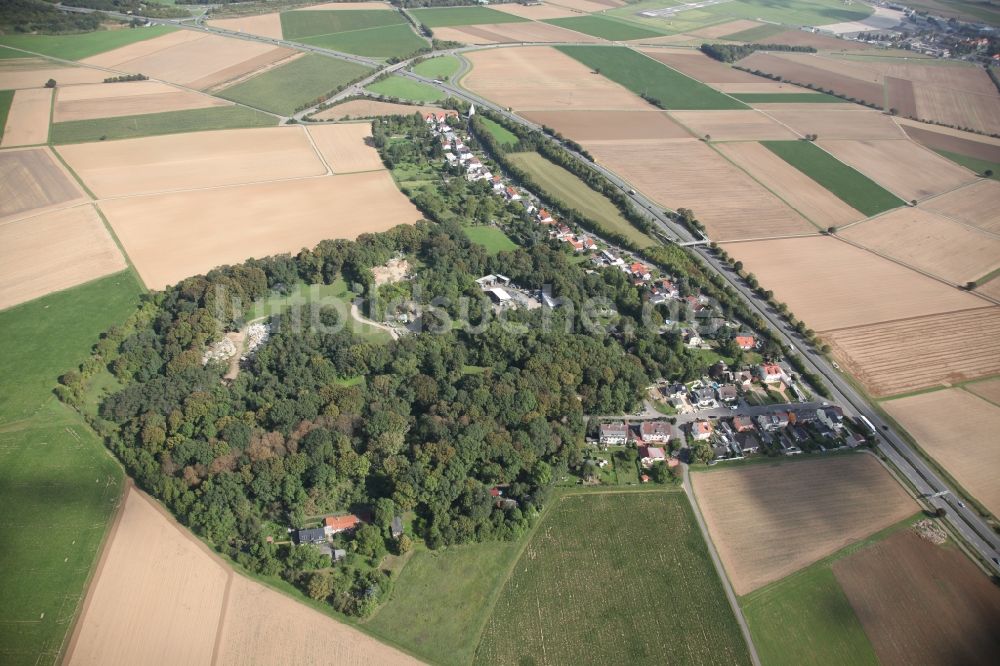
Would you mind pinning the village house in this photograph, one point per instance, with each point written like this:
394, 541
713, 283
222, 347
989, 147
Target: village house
772, 422
396, 527
769, 373
651, 454
613, 433
747, 443
640, 271
701, 430
703, 397
746, 342
655, 431
831, 417
311, 535
336, 524
742, 424
727, 393
512, 194
544, 217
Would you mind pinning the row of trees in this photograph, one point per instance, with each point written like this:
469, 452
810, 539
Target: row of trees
734, 52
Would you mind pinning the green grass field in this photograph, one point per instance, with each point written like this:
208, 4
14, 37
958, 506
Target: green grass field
614, 578
58, 485
850, 186
447, 16
645, 76
6, 97
499, 132
789, 12
438, 68
152, 124
604, 27
442, 599
752, 34
571, 191
298, 24
493, 239
284, 89
787, 98
972, 163
394, 41
396, 86
11, 54
83, 45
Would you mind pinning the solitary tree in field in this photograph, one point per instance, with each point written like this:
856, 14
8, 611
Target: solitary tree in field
988, 173
831, 230
708, 137
51, 83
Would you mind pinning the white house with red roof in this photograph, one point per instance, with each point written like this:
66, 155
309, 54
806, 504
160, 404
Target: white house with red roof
746, 342
701, 430
770, 373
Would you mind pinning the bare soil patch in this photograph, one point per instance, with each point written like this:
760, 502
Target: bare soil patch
31, 179
686, 173
977, 205
370, 108
610, 125
768, 521
959, 430
858, 124
546, 79
347, 147
740, 125
799, 190
502, 33
28, 118
18, 73
830, 284
901, 96
956, 141
198, 160
265, 25
922, 604
112, 100
54, 251
905, 168
802, 73
699, 66
930, 242
923, 352
172, 236
990, 289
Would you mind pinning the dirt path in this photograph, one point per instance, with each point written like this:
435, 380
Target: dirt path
361, 319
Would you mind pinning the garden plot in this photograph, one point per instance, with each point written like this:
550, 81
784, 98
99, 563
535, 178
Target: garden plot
28, 118
112, 100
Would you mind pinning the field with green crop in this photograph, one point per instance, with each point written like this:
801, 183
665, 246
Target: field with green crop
448, 16
789, 12
850, 186
6, 97
438, 68
83, 45
369, 32
614, 578
759, 32
152, 124
493, 239
645, 76
58, 485
396, 86
971, 163
573, 192
442, 599
284, 89
298, 24
499, 132
787, 98
606, 28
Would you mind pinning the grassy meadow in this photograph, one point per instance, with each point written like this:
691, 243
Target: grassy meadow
499, 132
437, 68
442, 17
368, 32
492, 238
415, 91
971, 163
605, 28
298, 24
153, 124
6, 97
82, 45
793, 13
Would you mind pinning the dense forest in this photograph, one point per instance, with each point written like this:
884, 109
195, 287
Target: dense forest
38, 16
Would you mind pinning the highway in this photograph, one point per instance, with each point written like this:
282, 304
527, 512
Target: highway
965, 521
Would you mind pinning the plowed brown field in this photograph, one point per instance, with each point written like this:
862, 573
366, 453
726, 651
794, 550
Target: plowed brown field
112, 100
28, 119
610, 125
978, 205
959, 108
17, 73
959, 430
911, 354
930, 243
347, 147
830, 284
54, 251
768, 521
699, 66
922, 604
901, 96
944, 138
810, 72
733, 125
686, 173
861, 125
31, 179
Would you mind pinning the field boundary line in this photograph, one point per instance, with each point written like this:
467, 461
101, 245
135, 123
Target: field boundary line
121, 248
345, 32
319, 153
677, 71
222, 616
902, 319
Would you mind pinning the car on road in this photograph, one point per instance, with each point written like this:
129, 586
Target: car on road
961, 504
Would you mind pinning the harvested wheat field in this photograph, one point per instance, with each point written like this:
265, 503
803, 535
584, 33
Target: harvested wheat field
959, 430
172, 236
28, 118
740, 125
347, 147
922, 604
686, 173
538, 12
830, 284
112, 100
609, 125
265, 25
370, 108
546, 79
923, 352
768, 521
990, 290
114, 58
977, 205
930, 243
797, 189
162, 597
988, 389
33, 179
817, 72
905, 168
858, 124
54, 251
699, 66
962, 109
188, 161
502, 33
17, 73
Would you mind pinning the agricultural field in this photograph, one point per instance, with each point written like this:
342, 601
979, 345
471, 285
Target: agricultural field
948, 614
850, 186
441, 67
347, 148
33, 180
289, 87
610, 125
155, 124
934, 244
742, 125
760, 31
563, 186
987, 389
84, 45
46, 446
945, 139
400, 88
34, 72
104, 100
922, 352
450, 16
790, 12
643, 75
687, 173
805, 72
856, 123
538, 12
767, 521
958, 430
697, 65
499, 132
366, 32
605, 28
492, 238
443, 598
847, 286
501, 33
6, 97
369, 108
787, 98
265, 25
816, 203
977, 205
590, 547
28, 118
